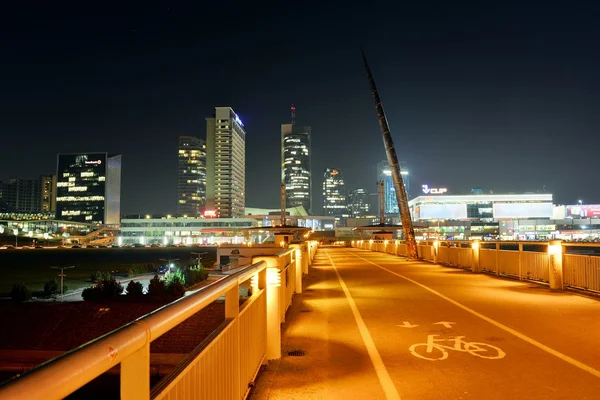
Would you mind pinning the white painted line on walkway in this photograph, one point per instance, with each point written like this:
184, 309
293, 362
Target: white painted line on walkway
518, 334
382, 373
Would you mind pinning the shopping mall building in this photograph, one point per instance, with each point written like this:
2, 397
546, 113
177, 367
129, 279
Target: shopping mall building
502, 216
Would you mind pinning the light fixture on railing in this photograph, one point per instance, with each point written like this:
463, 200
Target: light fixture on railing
475, 244
254, 282
273, 277
436, 244
555, 249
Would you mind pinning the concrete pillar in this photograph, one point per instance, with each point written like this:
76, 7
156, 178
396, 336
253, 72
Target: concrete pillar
497, 258
555, 258
475, 245
273, 323
436, 251
299, 267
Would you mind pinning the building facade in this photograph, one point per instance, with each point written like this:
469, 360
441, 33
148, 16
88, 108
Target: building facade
48, 193
358, 203
21, 195
384, 173
296, 164
334, 193
191, 183
88, 188
225, 164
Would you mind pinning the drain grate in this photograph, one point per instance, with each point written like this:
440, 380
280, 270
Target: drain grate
296, 353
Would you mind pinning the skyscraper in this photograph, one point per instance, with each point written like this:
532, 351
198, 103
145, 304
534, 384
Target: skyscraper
225, 164
334, 193
48, 193
295, 164
191, 188
384, 173
22, 195
88, 188
358, 203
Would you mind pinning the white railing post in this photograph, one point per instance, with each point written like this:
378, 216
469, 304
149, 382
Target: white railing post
299, 265
475, 245
520, 261
497, 259
273, 314
555, 255
135, 375
232, 310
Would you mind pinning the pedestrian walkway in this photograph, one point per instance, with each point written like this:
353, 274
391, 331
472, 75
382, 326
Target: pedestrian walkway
375, 326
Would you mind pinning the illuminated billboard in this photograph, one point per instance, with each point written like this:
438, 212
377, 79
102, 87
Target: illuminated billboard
522, 210
583, 211
441, 211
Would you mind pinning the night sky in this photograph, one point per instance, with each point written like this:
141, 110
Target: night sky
503, 97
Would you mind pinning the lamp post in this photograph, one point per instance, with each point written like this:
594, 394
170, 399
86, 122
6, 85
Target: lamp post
198, 257
62, 275
16, 233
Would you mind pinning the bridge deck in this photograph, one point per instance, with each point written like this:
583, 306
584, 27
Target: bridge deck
365, 319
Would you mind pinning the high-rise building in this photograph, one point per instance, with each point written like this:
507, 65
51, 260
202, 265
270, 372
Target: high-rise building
88, 188
295, 164
334, 193
48, 193
225, 164
191, 186
21, 195
384, 173
358, 203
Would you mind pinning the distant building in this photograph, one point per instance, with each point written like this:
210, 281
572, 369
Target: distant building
21, 195
191, 187
334, 193
296, 164
225, 164
48, 193
358, 203
88, 188
384, 173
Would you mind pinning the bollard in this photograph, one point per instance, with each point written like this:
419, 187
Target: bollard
556, 264
475, 258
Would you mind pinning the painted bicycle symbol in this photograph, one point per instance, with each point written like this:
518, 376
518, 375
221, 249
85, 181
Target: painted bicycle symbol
434, 351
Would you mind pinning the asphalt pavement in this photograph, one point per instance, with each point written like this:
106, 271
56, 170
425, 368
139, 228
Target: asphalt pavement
375, 326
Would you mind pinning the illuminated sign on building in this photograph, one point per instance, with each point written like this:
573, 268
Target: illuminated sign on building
334, 172
428, 190
94, 162
210, 214
238, 120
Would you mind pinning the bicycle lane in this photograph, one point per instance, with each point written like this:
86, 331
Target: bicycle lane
399, 314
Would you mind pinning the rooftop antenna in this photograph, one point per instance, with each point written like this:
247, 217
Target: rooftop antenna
293, 109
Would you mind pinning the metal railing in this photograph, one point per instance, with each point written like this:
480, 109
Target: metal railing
520, 260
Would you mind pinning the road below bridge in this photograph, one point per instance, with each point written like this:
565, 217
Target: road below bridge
375, 326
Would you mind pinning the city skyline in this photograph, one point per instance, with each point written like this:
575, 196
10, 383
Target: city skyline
489, 105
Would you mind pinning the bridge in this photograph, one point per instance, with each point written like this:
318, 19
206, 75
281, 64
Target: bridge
469, 320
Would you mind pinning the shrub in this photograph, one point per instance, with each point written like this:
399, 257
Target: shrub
140, 269
100, 276
20, 292
176, 289
52, 287
111, 288
135, 289
92, 293
106, 289
156, 287
175, 277
196, 274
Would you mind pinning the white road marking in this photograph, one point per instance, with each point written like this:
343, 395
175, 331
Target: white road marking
445, 323
382, 373
518, 334
407, 324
